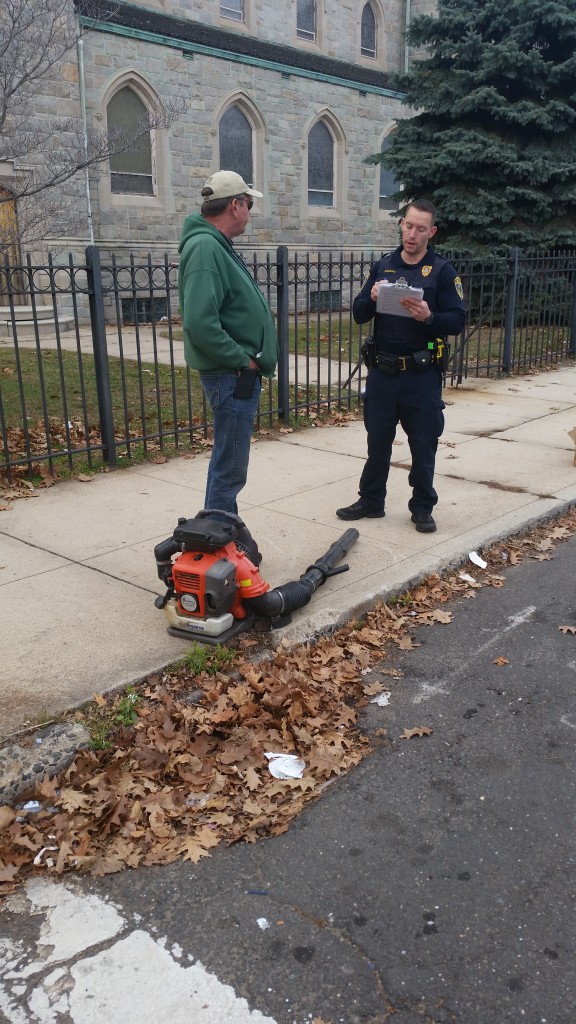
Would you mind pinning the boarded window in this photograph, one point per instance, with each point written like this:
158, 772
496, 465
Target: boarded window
320, 166
131, 167
235, 135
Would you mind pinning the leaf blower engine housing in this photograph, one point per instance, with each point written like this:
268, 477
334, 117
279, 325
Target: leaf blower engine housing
214, 587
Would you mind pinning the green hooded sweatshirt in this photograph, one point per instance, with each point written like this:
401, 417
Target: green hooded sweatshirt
225, 318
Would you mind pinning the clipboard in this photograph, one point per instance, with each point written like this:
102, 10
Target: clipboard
389, 295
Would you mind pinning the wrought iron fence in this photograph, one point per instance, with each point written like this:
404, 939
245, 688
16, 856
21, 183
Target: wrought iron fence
92, 368
521, 312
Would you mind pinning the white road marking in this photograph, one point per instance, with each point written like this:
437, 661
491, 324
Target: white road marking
134, 978
426, 690
513, 621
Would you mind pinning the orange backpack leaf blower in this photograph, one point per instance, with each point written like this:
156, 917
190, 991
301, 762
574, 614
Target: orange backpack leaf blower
214, 587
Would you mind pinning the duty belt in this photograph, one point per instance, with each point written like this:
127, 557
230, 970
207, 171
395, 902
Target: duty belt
390, 363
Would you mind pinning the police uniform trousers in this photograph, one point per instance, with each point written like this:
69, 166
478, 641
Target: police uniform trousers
413, 398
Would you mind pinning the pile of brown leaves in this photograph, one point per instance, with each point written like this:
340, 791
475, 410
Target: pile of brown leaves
191, 775
192, 772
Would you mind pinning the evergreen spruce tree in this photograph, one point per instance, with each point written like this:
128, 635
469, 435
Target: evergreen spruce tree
493, 140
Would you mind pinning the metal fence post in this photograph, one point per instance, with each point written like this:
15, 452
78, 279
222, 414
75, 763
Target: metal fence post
282, 303
98, 324
511, 297
572, 343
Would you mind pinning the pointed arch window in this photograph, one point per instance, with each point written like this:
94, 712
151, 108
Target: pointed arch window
235, 140
320, 166
131, 166
306, 19
368, 32
388, 183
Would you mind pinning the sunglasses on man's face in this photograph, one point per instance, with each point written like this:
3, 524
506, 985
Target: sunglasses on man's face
249, 202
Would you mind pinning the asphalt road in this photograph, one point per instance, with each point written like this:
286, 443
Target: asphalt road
435, 883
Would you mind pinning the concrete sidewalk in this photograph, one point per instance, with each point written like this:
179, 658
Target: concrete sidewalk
77, 571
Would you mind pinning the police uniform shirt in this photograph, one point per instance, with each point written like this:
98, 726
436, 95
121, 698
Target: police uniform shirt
442, 291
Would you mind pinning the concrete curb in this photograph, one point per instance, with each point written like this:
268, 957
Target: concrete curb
45, 751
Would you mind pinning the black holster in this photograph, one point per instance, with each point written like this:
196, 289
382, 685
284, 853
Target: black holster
368, 352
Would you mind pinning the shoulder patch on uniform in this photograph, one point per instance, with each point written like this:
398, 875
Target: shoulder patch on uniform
426, 270
458, 287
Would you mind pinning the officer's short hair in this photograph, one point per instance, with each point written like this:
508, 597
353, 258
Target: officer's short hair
425, 206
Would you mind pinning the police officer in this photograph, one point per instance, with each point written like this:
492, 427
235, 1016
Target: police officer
404, 382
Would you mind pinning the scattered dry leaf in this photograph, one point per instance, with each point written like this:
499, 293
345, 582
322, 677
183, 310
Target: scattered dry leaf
545, 544
439, 616
419, 730
405, 643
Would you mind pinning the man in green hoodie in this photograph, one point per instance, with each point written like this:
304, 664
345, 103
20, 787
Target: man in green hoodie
229, 333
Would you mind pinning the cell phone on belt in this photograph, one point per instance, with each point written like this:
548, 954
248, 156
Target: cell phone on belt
246, 382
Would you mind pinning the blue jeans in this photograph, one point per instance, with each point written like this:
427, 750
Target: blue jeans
233, 426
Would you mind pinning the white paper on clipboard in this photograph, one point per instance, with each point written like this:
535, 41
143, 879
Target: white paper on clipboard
389, 295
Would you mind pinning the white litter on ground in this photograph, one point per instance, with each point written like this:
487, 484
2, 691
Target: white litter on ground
381, 699
285, 766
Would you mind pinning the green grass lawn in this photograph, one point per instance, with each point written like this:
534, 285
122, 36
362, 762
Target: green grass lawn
64, 385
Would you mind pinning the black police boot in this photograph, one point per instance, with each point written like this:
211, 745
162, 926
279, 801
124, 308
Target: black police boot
359, 511
423, 522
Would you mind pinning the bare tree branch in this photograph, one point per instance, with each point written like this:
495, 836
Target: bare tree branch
47, 152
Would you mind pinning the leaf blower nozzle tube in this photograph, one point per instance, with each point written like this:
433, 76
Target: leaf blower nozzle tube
289, 597
163, 554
